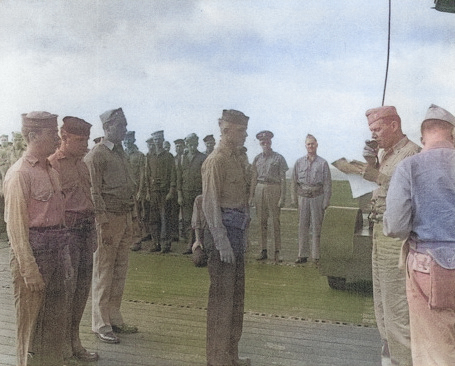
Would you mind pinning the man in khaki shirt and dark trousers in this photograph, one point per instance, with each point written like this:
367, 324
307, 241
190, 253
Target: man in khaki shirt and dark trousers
80, 220
40, 263
113, 189
225, 205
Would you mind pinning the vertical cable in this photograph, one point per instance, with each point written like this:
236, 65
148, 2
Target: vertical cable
388, 53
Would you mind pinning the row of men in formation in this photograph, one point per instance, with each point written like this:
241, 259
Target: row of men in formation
73, 214
63, 205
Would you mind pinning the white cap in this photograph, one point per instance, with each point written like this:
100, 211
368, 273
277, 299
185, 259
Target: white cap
435, 112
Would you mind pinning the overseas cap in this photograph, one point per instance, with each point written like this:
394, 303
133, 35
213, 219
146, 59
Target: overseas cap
158, 134
179, 141
264, 135
192, 137
375, 114
233, 116
112, 115
435, 112
130, 135
39, 119
76, 126
208, 138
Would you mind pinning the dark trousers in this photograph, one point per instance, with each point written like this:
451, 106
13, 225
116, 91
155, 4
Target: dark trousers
81, 247
40, 316
226, 301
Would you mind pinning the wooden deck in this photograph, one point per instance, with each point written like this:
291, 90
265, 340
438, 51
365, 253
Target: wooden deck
175, 335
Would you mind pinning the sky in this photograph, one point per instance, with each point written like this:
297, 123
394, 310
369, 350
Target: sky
294, 67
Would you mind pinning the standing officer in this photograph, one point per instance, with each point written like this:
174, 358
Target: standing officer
80, 220
113, 190
389, 281
209, 142
34, 215
420, 208
160, 176
137, 162
225, 206
189, 186
312, 185
268, 190
176, 223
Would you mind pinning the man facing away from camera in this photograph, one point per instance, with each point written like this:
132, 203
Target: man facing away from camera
421, 209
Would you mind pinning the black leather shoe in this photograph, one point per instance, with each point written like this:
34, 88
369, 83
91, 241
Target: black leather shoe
188, 251
86, 356
155, 248
108, 337
136, 247
262, 256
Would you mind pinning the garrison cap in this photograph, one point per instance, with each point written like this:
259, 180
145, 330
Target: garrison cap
435, 112
97, 140
192, 137
112, 115
233, 116
375, 114
208, 138
179, 141
39, 119
76, 126
158, 134
264, 135
130, 135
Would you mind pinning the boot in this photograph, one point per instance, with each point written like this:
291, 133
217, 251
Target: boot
263, 255
166, 247
155, 248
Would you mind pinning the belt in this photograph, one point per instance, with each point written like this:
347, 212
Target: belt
42, 229
268, 183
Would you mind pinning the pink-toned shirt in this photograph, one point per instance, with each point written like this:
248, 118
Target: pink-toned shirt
33, 198
75, 181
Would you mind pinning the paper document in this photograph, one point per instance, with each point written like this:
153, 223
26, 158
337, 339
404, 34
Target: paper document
353, 170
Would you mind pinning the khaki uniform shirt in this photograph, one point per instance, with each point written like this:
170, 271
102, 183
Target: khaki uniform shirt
225, 184
75, 181
189, 177
382, 173
160, 173
137, 161
33, 198
112, 182
308, 173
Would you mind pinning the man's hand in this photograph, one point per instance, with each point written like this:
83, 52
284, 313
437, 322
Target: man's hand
251, 201
281, 202
179, 198
370, 153
35, 283
227, 255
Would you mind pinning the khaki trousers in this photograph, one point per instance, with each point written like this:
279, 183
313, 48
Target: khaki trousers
110, 266
311, 214
432, 329
389, 295
267, 197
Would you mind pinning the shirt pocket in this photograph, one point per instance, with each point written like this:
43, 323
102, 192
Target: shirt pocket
42, 193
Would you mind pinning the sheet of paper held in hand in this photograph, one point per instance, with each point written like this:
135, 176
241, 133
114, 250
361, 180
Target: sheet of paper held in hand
353, 170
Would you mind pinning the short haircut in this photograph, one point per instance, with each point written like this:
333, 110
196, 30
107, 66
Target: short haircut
436, 124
